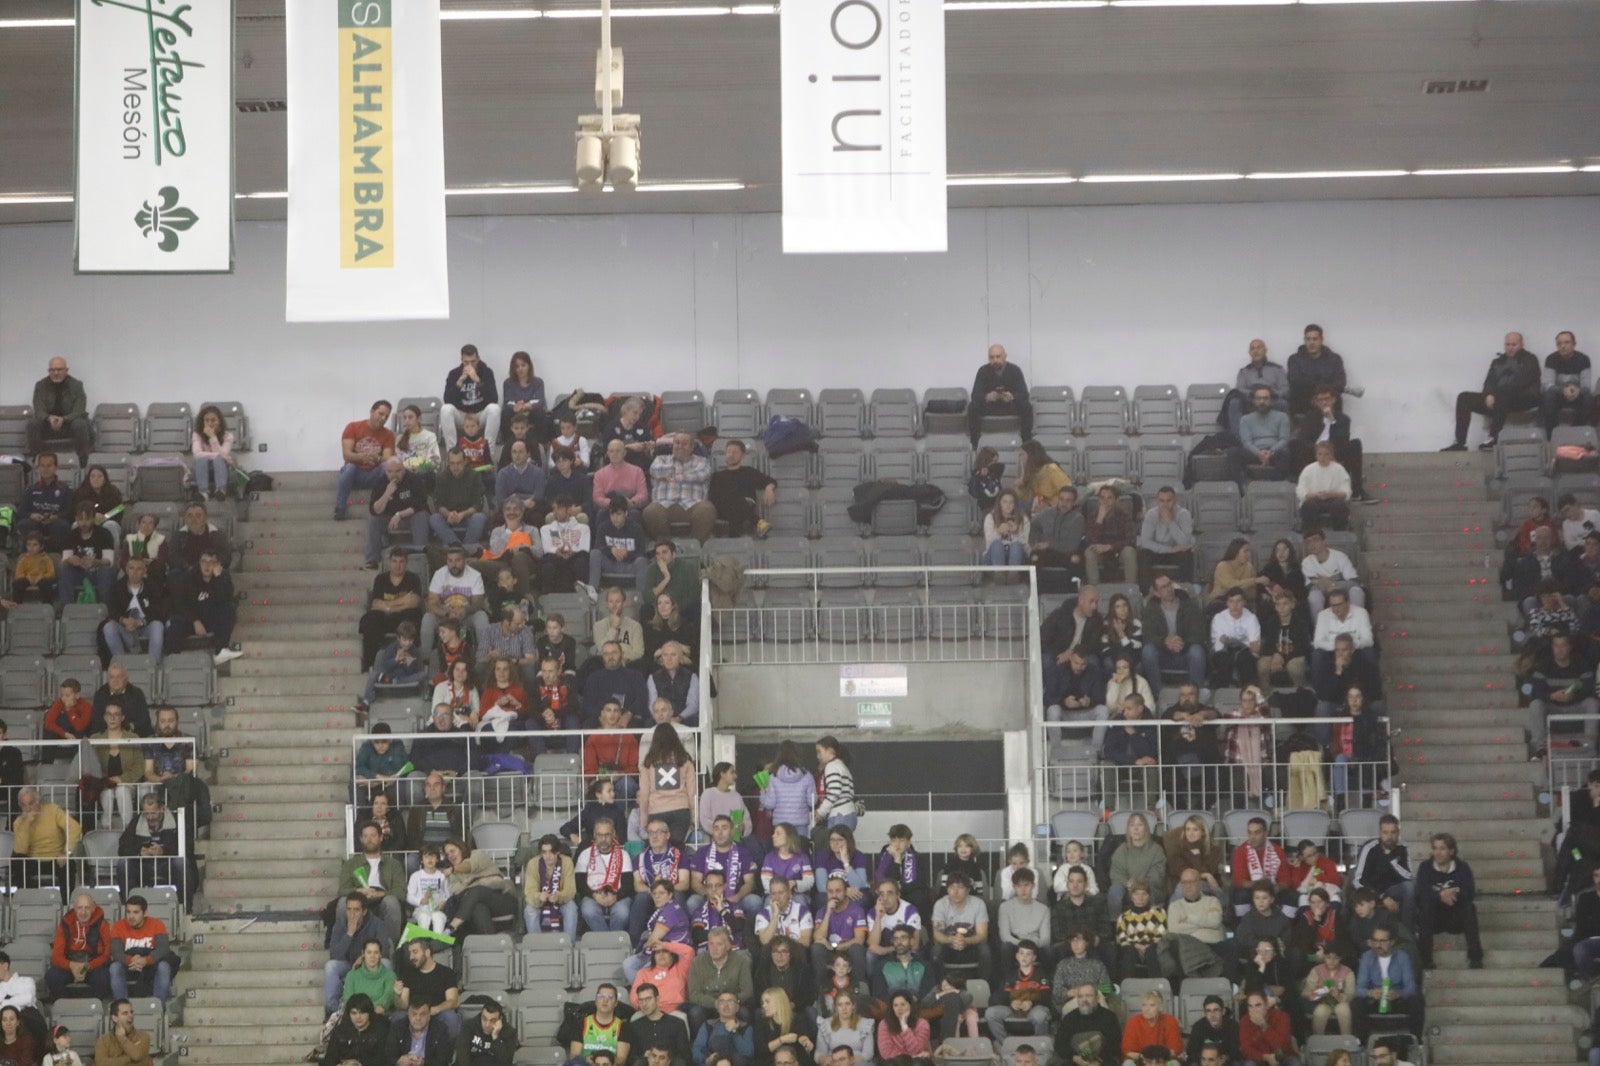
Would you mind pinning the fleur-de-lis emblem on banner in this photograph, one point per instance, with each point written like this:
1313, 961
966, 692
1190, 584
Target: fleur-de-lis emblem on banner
166, 218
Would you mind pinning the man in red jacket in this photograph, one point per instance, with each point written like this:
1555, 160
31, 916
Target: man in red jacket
81, 954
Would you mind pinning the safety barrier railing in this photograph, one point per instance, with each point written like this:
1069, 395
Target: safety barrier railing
904, 614
1567, 769
1272, 764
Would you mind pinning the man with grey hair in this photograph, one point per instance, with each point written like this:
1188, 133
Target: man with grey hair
680, 484
80, 956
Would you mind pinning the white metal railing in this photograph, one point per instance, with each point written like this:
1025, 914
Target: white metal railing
1567, 770
913, 617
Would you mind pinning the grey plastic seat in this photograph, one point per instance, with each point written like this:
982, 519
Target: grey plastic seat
1585, 488
32, 629
1004, 615
833, 504
958, 517
785, 553
842, 413
1271, 503
85, 669
13, 483
1107, 457
80, 628
1161, 461
1157, 409
791, 403
1215, 506
1103, 410
116, 428
683, 411
791, 515
740, 548
894, 518
1203, 406
843, 616
1055, 411
941, 422
168, 428
430, 406
188, 679
14, 419
1521, 450
238, 421
893, 460
841, 553
22, 682
600, 956
947, 462
119, 470
792, 471
737, 414
1309, 825
401, 716
558, 781
142, 670
488, 963
841, 461
893, 413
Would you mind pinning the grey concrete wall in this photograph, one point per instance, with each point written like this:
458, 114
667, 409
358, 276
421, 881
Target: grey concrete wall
979, 697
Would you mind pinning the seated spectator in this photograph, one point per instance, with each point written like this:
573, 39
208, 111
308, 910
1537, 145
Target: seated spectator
520, 431
1326, 569
1076, 623
554, 643
565, 540
1312, 364
1255, 860
378, 763
46, 506
1153, 1028
566, 478
1020, 1005
1385, 975
417, 446
396, 598
1577, 522
433, 822
44, 836
523, 394
1005, 532
1131, 744
1341, 617
481, 897
848, 1038
960, 929
1329, 989
634, 434
619, 548
1285, 642
478, 450
1140, 929
604, 889
785, 920
347, 939
1346, 671
998, 388
1236, 569
204, 611
366, 443
1546, 570
1363, 741
399, 507
1022, 916
455, 592
1521, 543
121, 763
458, 517
137, 613
181, 552
1088, 1034
1259, 371
1214, 1037
1195, 937
1191, 754
123, 1040
1563, 683
1082, 698
678, 578
379, 880
1124, 682
739, 492
620, 478
549, 889
1139, 859
458, 693
679, 484
1283, 571
1191, 848
617, 625
1323, 491
569, 439
88, 555
676, 683
489, 1041
80, 954
34, 580
469, 389
1235, 643
1110, 535
1174, 634
512, 642
984, 484
1266, 1034
1325, 423
1249, 746
668, 624
1383, 865
425, 987
1510, 385
1564, 384
150, 845
117, 689
615, 681
503, 703
513, 548
1264, 436
521, 480
67, 718
212, 447
97, 491
1056, 539
1166, 539
60, 412
1040, 478
1124, 633
1447, 902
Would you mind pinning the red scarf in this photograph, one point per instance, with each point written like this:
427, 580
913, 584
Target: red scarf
613, 867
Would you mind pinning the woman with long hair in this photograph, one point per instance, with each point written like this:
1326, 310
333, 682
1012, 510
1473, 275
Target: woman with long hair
1039, 477
99, 493
790, 793
840, 853
837, 804
479, 893
1005, 532
1190, 847
16, 1043
523, 394
666, 625
667, 783
1249, 746
984, 484
903, 1033
417, 446
1282, 571
779, 1023
458, 693
1123, 632
357, 1038
846, 1027
212, 445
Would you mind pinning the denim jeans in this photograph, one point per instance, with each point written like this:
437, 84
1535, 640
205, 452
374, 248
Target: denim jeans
123, 641
210, 474
352, 478
161, 981
596, 920
378, 530
601, 563
1005, 553
1191, 660
72, 579
569, 919
469, 532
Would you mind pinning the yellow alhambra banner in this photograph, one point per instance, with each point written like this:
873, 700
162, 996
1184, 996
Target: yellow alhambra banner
366, 162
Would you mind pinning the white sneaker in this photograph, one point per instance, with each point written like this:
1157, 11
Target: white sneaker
589, 591
227, 655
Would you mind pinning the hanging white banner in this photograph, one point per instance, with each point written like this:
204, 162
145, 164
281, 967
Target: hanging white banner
863, 125
153, 147
366, 162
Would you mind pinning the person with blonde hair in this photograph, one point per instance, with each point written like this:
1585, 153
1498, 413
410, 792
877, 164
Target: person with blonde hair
1152, 1026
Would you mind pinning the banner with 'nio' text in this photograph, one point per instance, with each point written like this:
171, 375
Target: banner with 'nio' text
153, 136
863, 125
366, 162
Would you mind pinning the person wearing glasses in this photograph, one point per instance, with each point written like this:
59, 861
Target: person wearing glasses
1386, 975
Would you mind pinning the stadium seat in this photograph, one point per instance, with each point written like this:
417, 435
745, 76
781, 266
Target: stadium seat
792, 515
600, 956
34, 914
159, 481
1215, 505
188, 679
1134, 987
85, 1018
683, 411
165, 905
942, 422
790, 403
1203, 407
740, 548
13, 483
1175, 819
841, 413
14, 419
1157, 409
843, 616
168, 428
1192, 994
737, 414
1055, 411
833, 512
1117, 822
1103, 410
119, 471
539, 1018
100, 851
792, 472
31, 629
1082, 826
150, 1016
558, 781
1271, 504
488, 963
85, 669
958, 517
1318, 1048
1107, 457
1357, 826
893, 413
430, 406
1160, 461
545, 961
22, 682
502, 838
1004, 611
1306, 825
841, 462
547, 1055
948, 464
967, 1048
1237, 822
893, 460
116, 428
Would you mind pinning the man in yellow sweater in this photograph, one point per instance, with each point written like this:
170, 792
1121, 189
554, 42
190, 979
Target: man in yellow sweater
44, 833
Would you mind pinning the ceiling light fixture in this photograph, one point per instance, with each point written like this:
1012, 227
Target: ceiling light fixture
1022, 5
1297, 175
8, 199
37, 24
694, 186
1140, 179
956, 181
1445, 172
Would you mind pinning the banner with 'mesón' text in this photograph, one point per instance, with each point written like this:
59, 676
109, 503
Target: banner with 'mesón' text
153, 136
863, 125
366, 162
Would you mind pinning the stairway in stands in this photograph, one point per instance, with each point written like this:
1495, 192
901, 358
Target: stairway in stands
1432, 566
277, 841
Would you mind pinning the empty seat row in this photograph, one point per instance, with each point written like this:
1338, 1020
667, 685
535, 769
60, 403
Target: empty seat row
165, 428
182, 679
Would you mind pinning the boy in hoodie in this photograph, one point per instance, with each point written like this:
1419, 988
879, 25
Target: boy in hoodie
81, 953
619, 546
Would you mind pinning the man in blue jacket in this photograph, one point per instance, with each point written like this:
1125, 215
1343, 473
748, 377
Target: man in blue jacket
1447, 902
1386, 975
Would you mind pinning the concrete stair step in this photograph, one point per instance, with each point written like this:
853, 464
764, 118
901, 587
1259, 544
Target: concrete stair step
1421, 799
287, 538
257, 901
344, 609
323, 792
224, 831
261, 755
294, 895
314, 773
1498, 1054
341, 555
1527, 830
1472, 642
1445, 518
286, 685
1449, 684
1552, 1014
1439, 619
1509, 886
229, 1025
339, 648
1493, 958
1530, 1036
292, 1048
258, 585
1473, 596
268, 850
303, 507
263, 996
1450, 718
1467, 733
319, 661
301, 811
279, 715
236, 1034
1403, 700
291, 633
1475, 999
1509, 977
1495, 942
1448, 810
